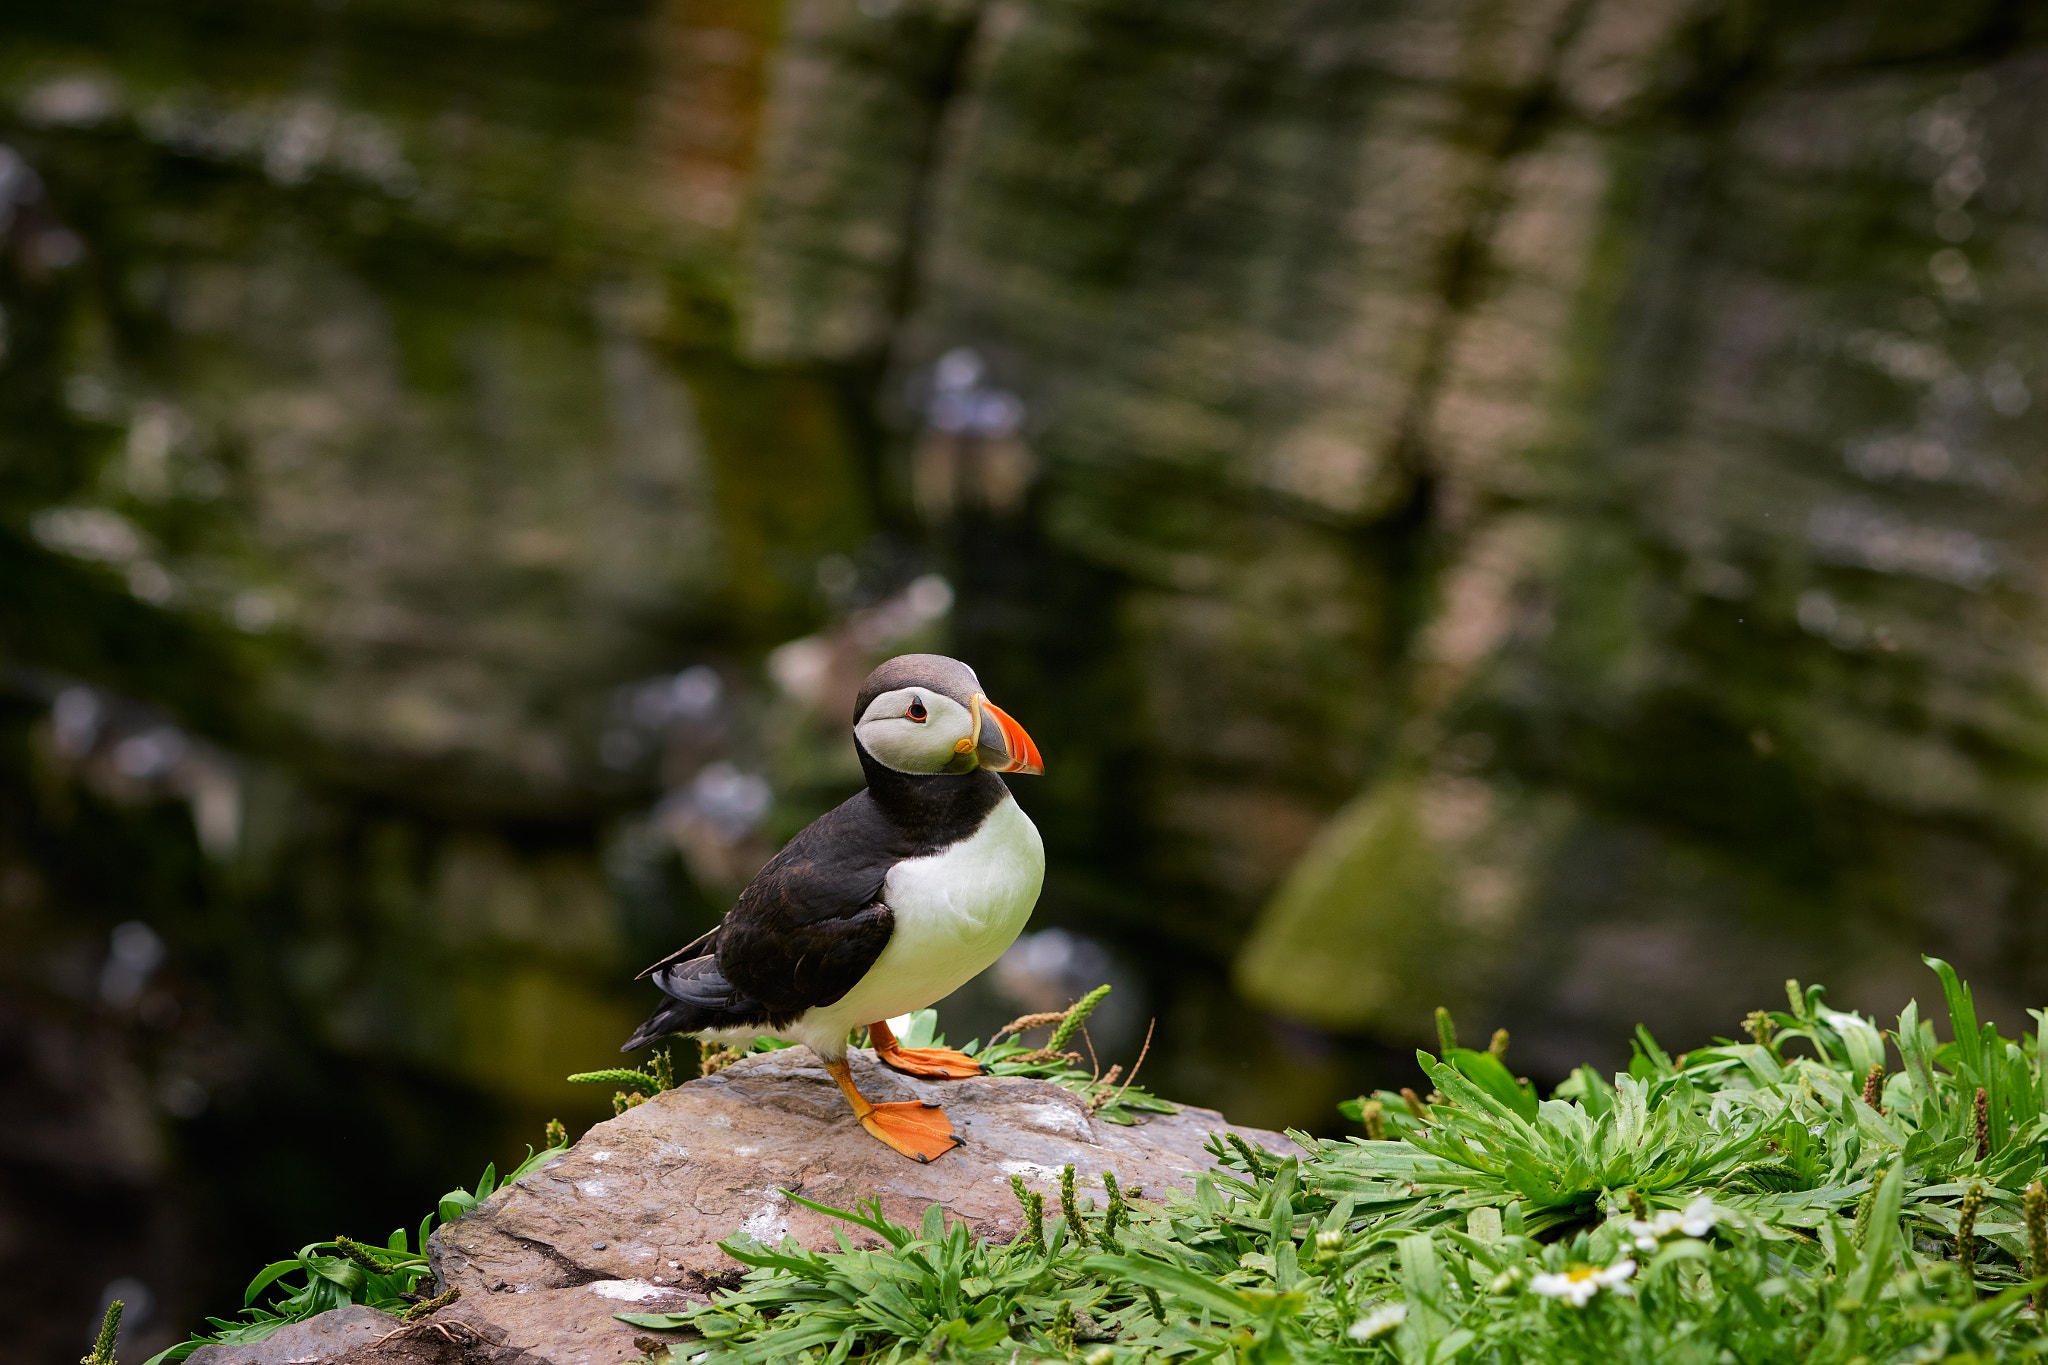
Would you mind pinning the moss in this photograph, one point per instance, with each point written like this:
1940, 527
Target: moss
1353, 936
790, 484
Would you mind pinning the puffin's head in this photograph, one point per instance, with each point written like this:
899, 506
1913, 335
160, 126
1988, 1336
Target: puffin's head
925, 713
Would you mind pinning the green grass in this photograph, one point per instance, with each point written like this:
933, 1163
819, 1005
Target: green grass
1742, 1202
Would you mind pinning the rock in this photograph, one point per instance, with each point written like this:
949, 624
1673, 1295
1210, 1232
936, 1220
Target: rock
629, 1219
329, 1337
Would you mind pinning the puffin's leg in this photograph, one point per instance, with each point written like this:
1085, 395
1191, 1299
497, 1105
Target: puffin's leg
918, 1130
939, 1063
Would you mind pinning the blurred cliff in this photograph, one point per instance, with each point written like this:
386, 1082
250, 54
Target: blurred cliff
1529, 507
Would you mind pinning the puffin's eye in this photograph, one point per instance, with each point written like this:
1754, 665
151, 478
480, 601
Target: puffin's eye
916, 711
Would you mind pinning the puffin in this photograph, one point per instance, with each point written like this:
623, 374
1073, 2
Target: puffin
880, 906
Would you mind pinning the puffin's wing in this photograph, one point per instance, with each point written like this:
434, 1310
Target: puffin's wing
685, 953
811, 924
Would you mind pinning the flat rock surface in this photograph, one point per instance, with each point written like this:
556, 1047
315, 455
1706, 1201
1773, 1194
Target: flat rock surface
629, 1219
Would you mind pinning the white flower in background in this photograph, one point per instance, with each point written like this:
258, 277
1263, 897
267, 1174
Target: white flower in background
1581, 1282
1697, 1220
1378, 1322
1648, 1234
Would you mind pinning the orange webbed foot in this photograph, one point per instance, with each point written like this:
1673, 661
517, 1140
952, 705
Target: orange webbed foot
920, 1131
938, 1063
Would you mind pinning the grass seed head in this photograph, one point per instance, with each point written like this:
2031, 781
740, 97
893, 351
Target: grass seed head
1983, 1124
2037, 1244
425, 1307
1034, 1213
1076, 1016
1966, 1237
110, 1332
616, 1075
712, 1059
1864, 1208
1873, 1087
1373, 1115
1759, 1027
1034, 1217
1063, 1328
362, 1255
1023, 1023
1069, 1208
1250, 1155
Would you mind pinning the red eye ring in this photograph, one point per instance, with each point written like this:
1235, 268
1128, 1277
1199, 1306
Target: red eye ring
916, 711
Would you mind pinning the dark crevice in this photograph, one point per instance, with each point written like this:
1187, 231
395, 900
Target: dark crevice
944, 91
1414, 533
1244, 94
1466, 259
576, 1275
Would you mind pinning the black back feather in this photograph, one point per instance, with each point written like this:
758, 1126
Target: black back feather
812, 922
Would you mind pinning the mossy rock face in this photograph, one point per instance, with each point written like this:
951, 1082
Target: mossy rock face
1500, 504
1409, 899
1690, 330
1767, 393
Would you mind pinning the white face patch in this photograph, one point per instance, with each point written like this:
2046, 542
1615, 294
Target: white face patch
917, 730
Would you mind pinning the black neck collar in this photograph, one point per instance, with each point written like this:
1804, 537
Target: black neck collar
933, 808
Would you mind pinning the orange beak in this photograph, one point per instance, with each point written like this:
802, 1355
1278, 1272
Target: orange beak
1002, 746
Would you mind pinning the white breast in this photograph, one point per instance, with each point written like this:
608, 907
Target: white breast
956, 911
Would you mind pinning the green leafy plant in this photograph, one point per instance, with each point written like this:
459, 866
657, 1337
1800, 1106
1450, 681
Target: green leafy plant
324, 1275
1111, 1096
1745, 1201
1789, 1198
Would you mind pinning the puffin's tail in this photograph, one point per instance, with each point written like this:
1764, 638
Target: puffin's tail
674, 1016
698, 998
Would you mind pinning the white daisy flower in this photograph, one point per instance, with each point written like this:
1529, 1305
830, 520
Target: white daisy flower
1649, 1234
1378, 1322
1697, 1220
1580, 1283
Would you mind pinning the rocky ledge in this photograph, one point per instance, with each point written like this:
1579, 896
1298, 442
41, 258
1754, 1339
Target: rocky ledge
629, 1219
